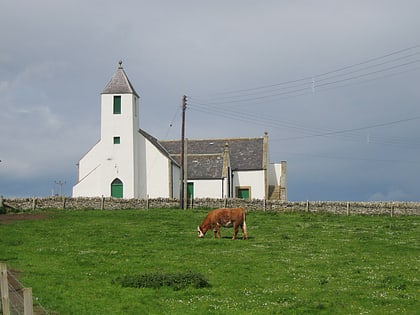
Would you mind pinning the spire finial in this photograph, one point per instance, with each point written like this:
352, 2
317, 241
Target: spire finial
120, 63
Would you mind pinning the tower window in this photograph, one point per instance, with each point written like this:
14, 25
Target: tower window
117, 105
117, 140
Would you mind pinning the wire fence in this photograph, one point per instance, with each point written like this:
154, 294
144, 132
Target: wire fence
15, 298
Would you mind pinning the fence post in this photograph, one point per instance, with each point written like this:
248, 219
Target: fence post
102, 202
348, 208
28, 308
307, 205
5, 302
33, 203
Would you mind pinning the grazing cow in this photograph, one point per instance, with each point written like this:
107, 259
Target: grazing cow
228, 217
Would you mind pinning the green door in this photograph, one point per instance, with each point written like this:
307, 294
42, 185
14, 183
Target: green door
190, 195
117, 188
243, 193
190, 191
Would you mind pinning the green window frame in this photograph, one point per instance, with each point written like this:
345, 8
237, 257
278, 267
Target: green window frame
243, 192
117, 105
117, 140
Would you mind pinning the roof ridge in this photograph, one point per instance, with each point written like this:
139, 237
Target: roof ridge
200, 154
216, 139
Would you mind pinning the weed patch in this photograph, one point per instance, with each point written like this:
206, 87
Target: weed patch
156, 280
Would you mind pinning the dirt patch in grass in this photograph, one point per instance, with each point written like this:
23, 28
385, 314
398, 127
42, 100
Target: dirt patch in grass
8, 218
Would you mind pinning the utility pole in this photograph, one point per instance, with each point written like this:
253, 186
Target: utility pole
60, 184
181, 197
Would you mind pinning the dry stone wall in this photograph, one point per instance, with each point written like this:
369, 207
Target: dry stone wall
334, 207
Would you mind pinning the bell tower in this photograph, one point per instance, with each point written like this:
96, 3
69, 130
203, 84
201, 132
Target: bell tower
119, 137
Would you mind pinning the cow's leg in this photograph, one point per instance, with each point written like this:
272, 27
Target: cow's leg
244, 235
217, 231
235, 231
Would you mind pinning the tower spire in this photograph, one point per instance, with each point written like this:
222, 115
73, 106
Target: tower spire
119, 84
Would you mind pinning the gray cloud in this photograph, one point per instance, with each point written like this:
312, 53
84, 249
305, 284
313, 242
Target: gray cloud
56, 58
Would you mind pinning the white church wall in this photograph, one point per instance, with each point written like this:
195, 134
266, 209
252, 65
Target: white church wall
142, 190
207, 188
89, 169
158, 172
119, 158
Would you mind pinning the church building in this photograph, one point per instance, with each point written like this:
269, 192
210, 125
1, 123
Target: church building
127, 162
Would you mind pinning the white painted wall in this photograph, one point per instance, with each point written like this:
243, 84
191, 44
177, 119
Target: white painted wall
254, 179
119, 158
274, 174
107, 161
89, 170
157, 175
176, 181
207, 188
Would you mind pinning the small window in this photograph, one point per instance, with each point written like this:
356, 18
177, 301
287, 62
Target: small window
243, 192
117, 140
117, 105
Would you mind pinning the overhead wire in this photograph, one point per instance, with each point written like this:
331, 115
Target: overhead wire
216, 104
310, 83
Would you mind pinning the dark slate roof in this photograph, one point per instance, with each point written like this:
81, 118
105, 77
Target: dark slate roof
244, 153
119, 84
206, 166
157, 144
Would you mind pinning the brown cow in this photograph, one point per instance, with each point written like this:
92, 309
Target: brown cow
227, 217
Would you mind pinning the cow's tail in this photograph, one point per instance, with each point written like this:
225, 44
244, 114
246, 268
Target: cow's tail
245, 234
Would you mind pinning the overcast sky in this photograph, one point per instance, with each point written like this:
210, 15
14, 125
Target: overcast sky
336, 84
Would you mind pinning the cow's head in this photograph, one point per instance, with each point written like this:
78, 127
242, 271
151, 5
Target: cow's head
200, 233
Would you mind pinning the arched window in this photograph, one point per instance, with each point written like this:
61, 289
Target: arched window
117, 188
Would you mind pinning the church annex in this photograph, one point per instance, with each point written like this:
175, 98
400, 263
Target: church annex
127, 162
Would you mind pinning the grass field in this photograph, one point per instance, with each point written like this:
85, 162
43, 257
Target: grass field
292, 263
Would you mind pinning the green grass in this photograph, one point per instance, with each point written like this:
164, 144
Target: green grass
292, 263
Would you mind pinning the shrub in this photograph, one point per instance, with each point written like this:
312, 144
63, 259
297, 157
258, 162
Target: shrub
156, 280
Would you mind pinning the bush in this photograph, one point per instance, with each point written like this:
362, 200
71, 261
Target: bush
2, 207
156, 280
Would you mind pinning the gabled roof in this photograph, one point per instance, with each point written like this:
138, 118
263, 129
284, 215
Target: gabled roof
119, 83
244, 153
157, 144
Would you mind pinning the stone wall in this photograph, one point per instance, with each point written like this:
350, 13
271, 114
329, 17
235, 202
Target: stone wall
334, 207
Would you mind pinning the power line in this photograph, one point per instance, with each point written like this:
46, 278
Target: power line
353, 129
391, 64
315, 82
258, 119
350, 158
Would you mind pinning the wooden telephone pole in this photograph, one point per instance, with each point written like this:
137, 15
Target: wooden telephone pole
182, 204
